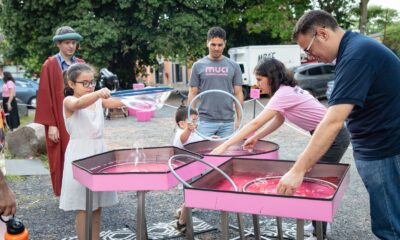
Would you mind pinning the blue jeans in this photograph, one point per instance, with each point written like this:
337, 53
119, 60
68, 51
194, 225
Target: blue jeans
381, 177
222, 129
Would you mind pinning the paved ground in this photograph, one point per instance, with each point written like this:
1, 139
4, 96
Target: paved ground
39, 209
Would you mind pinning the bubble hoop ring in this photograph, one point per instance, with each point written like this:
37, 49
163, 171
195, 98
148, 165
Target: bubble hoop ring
305, 179
216, 91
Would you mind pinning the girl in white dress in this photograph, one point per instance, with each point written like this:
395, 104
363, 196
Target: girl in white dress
83, 115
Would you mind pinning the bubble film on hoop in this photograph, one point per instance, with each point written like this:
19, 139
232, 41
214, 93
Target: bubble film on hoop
144, 99
222, 92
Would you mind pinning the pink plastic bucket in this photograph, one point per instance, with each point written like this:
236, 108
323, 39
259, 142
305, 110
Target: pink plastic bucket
143, 116
131, 112
138, 85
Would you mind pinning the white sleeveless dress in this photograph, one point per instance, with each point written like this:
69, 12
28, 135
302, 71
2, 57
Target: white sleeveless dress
85, 128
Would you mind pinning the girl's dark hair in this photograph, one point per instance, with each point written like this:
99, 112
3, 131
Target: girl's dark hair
181, 113
276, 72
8, 77
73, 73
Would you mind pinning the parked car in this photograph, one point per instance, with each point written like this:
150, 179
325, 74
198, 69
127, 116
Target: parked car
329, 89
314, 77
26, 90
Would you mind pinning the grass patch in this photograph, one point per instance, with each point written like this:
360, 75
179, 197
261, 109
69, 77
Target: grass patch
25, 120
45, 160
15, 178
6, 154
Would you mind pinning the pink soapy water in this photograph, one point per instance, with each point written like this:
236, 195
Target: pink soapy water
232, 152
312, 188
140, 167
240, 179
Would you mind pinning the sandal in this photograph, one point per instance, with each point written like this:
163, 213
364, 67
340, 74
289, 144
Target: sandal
178, 213
181, 227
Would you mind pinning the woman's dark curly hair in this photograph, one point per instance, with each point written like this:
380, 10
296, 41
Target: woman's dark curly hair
276, 72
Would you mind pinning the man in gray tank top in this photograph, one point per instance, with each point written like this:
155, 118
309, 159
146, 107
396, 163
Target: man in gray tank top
215, 71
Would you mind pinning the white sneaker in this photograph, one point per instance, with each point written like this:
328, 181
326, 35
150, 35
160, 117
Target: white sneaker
309, 227
329, 228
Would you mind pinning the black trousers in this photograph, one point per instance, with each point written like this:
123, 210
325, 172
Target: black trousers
12, 116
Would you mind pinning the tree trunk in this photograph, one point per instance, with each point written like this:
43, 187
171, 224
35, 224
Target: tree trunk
363, 15
124, 67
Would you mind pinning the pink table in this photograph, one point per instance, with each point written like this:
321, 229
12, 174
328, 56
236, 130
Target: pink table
132, 170
262, 150
211, 191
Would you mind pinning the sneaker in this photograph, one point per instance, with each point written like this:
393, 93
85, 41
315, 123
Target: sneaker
309, 227
178, 213
181, 227
329, 228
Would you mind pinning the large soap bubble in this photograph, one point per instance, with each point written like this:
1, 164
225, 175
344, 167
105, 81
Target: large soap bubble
144, 99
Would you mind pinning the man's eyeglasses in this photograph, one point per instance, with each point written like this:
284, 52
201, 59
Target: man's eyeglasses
87, 83
307, 49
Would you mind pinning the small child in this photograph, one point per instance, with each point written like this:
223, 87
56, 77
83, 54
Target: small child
84, 121
184, 135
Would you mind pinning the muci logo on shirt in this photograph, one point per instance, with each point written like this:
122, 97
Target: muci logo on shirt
217, 71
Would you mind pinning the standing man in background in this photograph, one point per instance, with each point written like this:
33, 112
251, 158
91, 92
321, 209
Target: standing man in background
49, 110
215, 71
366, 96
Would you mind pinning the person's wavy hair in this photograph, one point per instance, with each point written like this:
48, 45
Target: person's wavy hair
7, 76
276, 72
73, 73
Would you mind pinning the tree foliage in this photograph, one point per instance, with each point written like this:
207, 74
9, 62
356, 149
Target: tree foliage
339, 9
124, 35
117, 34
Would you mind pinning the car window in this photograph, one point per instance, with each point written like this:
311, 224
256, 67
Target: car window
21, 83
240, 65
304, 72
328, 69
315, 71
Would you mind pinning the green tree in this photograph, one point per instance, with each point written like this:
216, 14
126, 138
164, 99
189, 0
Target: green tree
117, 34
339, 9
392, 39
379, 18
124, 35
254, 22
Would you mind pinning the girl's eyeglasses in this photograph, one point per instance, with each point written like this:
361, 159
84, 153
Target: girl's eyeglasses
87, 83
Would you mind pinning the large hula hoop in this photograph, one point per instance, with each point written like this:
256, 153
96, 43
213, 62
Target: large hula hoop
186, 184
216, 91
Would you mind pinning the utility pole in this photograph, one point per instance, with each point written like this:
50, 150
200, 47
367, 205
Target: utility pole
363, 15
384, 26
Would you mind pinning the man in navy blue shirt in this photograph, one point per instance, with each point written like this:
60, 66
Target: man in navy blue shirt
367, 96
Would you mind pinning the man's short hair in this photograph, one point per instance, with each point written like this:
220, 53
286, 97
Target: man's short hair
312, 19
216, 32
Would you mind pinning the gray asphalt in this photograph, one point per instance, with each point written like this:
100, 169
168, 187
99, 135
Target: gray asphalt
38, 208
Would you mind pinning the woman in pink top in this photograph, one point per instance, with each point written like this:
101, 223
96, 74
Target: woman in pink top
9, 103
288, 102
